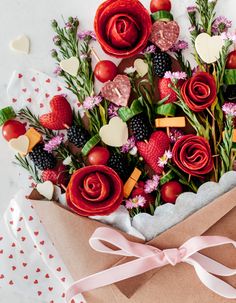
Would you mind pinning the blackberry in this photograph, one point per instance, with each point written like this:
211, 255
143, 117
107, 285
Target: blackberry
140, 128
117, 162
161, 63
230, 93
41, 158
78, 135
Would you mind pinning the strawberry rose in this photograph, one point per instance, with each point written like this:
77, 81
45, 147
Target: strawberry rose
94, 190
122, 27
199, 92
192, 154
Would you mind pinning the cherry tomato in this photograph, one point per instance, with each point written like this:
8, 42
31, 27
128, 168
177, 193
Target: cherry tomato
98, 156
105, 70
160, 5
13, 129
231, 60
170, 191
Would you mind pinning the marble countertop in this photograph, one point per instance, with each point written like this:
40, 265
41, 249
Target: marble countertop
32, 18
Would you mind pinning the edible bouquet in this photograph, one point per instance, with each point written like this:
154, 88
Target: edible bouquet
156, 132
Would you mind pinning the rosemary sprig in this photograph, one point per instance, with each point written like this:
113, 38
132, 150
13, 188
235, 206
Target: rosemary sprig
30, 167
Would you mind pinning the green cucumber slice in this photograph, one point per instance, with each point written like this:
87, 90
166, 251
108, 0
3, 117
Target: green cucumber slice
230, 77
90, 144
168, 109
170, 175
162, 16
6, 114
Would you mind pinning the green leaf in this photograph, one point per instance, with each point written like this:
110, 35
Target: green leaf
90, 144
126, 113
166, 109
170, 175
102, 114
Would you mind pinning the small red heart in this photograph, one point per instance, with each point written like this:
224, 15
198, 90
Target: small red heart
20, 76
24, 90
59, 269
23, 239
63, 279
13, 244
30, 218
117, 91
36, 282
24, 264
11, 282
51, 256
26, 277
1, 251
63, 295
11, 222
47, 95
51, 301
29, 100
13, 268
33, 79
47, 276
36, 90
155, 148
21, 218
14, 100
10, 257
41, 242
1, 238
18, 229
41, 105
48, 80
39, 293
164, 34
36, 233
59, 88
38, 270
35, 246
12, 209
50, 288
61, 116
21, 252
2, 276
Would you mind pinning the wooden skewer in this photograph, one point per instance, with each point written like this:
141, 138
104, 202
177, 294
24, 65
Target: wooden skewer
95, 54
63, 187
66, 126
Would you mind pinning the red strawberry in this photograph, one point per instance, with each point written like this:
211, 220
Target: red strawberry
158, 143
61, 115
58, 175
165, 90
139, 191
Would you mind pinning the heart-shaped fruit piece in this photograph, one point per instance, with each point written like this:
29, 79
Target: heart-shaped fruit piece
70, 66
141, 67
164, 34
20, 144
46, 189
115, 133
209, 48
21, 45
61, 115
155, 148
117, 91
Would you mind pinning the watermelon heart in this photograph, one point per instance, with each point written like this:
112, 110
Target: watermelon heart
61, 115
155, 148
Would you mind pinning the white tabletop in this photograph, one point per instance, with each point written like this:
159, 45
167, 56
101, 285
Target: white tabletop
32, 18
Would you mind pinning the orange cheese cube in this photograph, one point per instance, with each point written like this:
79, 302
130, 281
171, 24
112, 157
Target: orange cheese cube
34, 138
131, 182
171, 122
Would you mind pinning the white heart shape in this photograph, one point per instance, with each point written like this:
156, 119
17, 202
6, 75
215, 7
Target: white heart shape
115, 133
20, 144
21, 44
209, 48
46, 189
141, 67
70, 66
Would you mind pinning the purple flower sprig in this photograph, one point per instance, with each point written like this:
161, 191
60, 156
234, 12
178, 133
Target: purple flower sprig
179, 46
229, 109
221, 25
54, 143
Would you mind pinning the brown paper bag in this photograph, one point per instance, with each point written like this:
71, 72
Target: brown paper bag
70, 234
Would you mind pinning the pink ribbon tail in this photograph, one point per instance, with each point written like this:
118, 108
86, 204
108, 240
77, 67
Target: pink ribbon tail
149, 257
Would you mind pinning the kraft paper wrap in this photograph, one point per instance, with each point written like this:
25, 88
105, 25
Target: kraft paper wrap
70, 234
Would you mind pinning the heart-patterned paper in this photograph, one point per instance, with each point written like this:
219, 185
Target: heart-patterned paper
164, 34
117, 91
70, 66
20, 144
155, 148
209, 48
46, 189
21, 44
141, 67
115, 133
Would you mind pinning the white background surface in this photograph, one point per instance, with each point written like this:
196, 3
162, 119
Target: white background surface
32, 18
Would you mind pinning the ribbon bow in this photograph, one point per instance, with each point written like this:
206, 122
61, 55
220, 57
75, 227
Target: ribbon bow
149, 257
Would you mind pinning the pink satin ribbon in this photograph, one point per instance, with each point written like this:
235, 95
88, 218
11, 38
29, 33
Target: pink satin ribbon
149, 257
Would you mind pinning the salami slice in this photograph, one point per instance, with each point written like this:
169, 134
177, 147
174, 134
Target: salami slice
164, 34
117, 91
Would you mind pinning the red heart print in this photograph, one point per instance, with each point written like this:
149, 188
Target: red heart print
117, 91
1, 238
24, 264
12, 209
50, 288
36, 233
47, 95
1, 251
13, 244
33, 79
47, 276
11, 222
39, 293
164, 34
63, 295
21, 252
51, 301
14, 100
61, 115
63, 279
11, 282
41, 242
10, 257
59, 269
13, 268
36, 90
36, 282
51, 256
26, 277
18, 229
20, 76
38, 270
48, 80
2, 276
155, 148
21, 218
24, 90
30, 218
23, 239
29, 100
59, 88
41, 105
